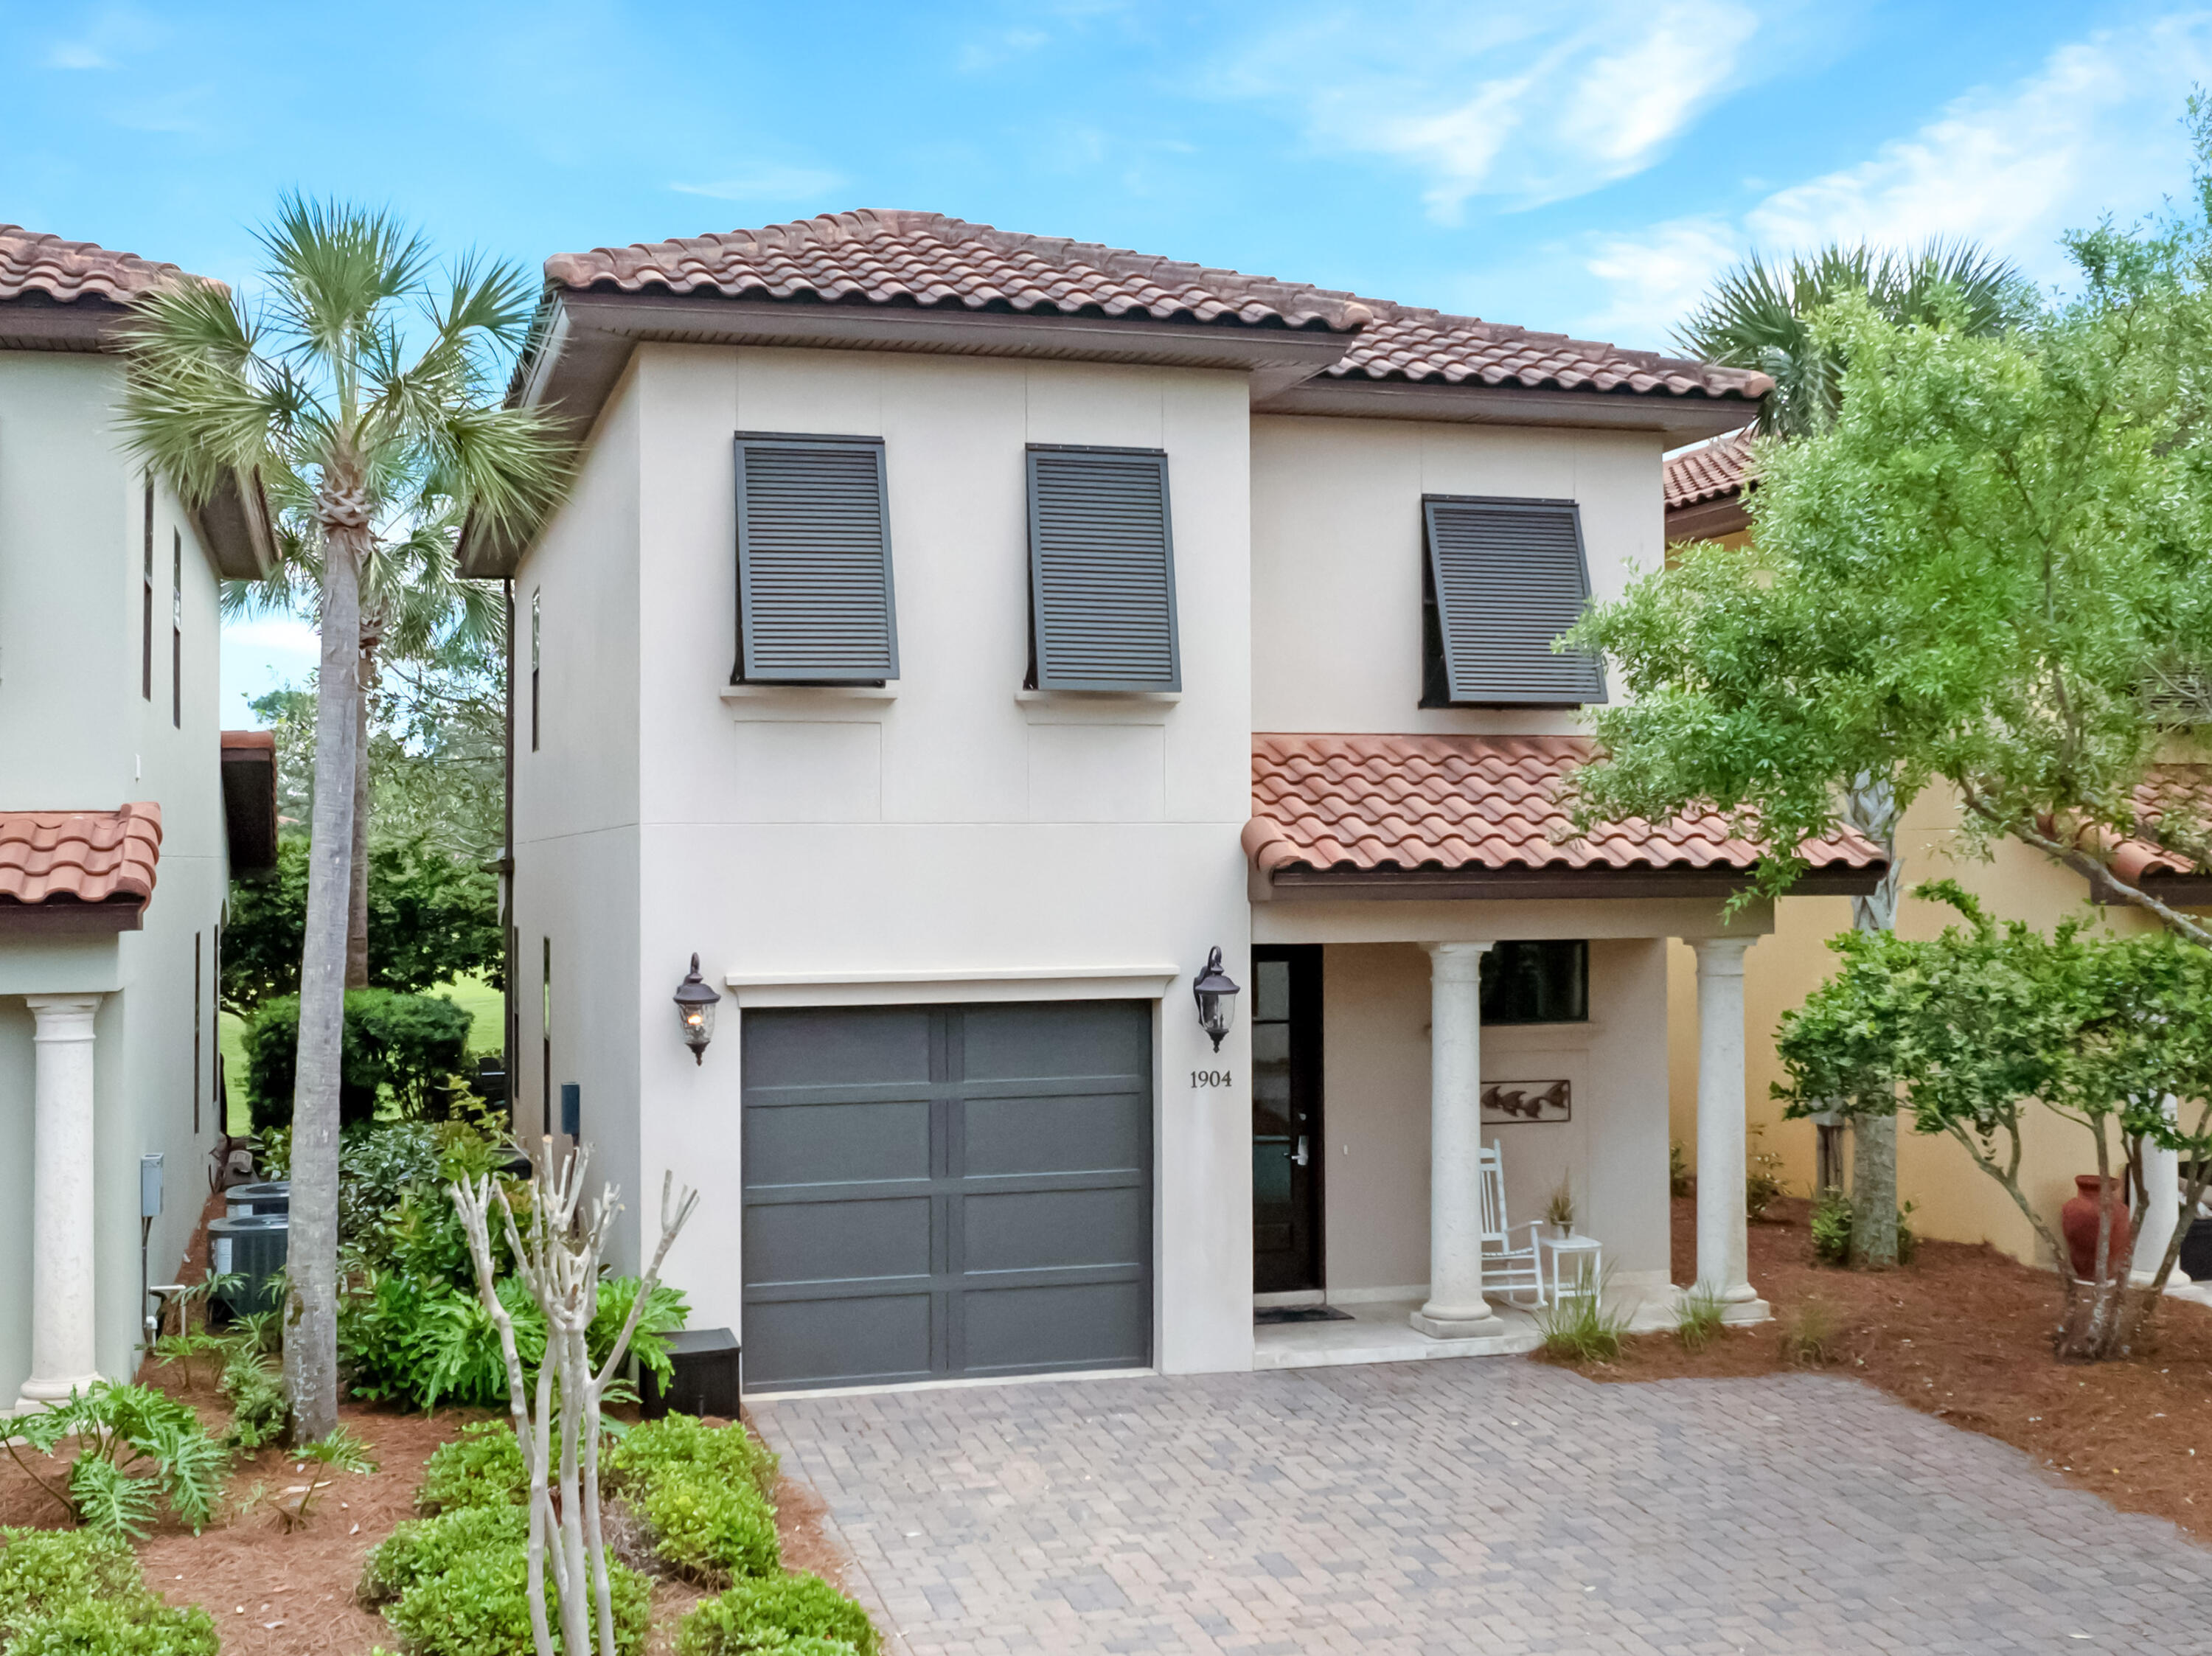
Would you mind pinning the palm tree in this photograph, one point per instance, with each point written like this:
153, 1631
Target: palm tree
362, 443
1760, 315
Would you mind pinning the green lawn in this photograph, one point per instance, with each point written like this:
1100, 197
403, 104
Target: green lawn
470, 993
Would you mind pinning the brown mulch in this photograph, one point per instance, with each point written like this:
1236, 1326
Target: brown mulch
1964, 1333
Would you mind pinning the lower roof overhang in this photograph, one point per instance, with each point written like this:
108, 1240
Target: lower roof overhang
1552, 884
2174, 890
65, 917
1708, 520
1682, 419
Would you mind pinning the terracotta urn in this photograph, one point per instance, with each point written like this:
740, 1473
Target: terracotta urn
2078, 1220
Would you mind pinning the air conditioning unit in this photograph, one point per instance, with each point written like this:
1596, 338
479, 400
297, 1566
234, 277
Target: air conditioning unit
252, 1247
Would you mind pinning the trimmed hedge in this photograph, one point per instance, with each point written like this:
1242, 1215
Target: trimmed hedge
783, 1614
707, 1530
73, 1593
483, 1467
683, 1443
481, 1607
424, 1547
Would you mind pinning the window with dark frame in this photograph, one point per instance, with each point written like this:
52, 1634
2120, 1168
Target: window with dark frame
1538, 982
1501, 579
177, 629
816, 599
146, 681
545, 1031
1102, 571
199, 994
536, 617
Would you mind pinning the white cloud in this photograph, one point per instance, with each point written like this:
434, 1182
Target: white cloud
2093, 130
769, 183
1531, 107
117, 32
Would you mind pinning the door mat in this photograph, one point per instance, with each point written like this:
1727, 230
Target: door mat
1262, 1315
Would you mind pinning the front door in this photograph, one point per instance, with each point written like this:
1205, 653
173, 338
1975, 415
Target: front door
1286, 1141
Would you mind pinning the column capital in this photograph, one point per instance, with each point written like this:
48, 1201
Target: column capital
1457, 959
1720, 956
63, 1017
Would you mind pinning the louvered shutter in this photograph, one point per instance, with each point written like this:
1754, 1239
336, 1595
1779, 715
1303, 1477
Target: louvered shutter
1102, 571
1508, 577
814, 562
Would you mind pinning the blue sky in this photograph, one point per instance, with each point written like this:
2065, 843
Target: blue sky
1579, 167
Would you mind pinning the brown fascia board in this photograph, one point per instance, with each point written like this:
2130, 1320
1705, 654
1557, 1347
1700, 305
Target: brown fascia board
59, 916
2175, 890
249, 806
37, 322
1708, 520
1683, 419
1493, 885
233, 526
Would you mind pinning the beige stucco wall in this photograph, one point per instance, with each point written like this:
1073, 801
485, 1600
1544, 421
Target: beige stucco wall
77, 733
1954, 1199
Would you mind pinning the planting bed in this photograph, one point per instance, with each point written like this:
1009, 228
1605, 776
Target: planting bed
1963, 1334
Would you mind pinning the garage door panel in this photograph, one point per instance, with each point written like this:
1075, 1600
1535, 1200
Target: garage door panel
1046, 1230
1085, 1326
1085, 1133
831, 1046
800, 1145
1070, 1039
847, 1342
837, 1242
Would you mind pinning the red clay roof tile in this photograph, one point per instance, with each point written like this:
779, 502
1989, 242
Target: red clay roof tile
1467, 803
80, 856
1708, 471
2182, 790
65, 271
1409, 344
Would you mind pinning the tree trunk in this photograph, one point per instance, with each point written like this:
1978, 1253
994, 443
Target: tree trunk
356, 964
311, 1311
1873, 811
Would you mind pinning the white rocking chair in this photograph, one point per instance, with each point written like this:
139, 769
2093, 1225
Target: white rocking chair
1507, 1271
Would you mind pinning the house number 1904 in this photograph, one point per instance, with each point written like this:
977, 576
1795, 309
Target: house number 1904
1210, 1078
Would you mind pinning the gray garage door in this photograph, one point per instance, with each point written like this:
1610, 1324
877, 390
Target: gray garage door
946, 1189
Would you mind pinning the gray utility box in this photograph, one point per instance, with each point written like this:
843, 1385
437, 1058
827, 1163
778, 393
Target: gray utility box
253, 1246
275, 1197
709, 1369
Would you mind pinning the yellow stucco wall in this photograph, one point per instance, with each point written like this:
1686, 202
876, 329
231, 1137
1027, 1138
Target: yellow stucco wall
1954, 1199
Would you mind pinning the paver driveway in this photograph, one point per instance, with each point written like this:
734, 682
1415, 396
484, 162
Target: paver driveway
1491, 1506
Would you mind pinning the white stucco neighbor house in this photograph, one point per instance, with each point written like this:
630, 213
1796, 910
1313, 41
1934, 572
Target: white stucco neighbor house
114, 781
954, 636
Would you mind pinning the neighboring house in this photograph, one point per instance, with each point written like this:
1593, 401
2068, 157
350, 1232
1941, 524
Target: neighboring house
952, 637
1706, 488
123, 812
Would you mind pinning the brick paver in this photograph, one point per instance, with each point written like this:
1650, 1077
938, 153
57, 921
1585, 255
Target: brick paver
1490, 1506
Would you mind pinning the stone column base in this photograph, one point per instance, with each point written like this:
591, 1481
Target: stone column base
1747, 1311
38, 1393
1484, 1327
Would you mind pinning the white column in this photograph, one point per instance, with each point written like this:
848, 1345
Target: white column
2161, 1209
1723, 1256
1455, 1309
62, 1325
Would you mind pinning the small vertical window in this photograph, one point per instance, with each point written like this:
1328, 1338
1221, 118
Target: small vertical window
1545, 982
546, 1030
1500, 581
146, 668
199, 992
1102, 571
536, 617
177, 629
814, 602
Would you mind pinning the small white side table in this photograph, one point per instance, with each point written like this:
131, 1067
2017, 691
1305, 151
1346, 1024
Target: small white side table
1573, 1266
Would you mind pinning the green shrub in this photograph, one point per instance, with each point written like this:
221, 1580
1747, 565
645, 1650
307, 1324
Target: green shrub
1697, 1319
140, 1625
707, 1528
1763, 1185
1831, 1225
1579, 1329
421, 1343
256, 1395
79, 1593
481, 1607
414, 1045
678, 1442
482, 1467
133, 1443
424, 1547
788, 1614
1811, 1334
664, 1311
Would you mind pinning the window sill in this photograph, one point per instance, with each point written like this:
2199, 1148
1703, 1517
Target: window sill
1097, 706
810, 692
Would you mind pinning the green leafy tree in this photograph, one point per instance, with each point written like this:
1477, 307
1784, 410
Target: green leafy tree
1982, 573
1980, 1027
432, 918
367, 400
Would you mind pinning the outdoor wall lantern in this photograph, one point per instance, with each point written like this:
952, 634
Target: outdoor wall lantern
1215, 992
695, 1001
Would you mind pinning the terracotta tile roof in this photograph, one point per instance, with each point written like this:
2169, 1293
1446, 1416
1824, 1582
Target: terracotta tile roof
1487, 803
80, 856
884, 257
1409, 344
2184, 791
65, 271
1708, 471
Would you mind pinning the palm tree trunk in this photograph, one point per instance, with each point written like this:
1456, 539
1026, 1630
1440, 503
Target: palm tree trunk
311, 1315
356, 963
1874, 1138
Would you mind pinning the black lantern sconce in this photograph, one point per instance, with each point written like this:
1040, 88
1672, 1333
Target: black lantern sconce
695, 1001
1215, 991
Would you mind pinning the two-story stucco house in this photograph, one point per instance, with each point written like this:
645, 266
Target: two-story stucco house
952, 638
114, 778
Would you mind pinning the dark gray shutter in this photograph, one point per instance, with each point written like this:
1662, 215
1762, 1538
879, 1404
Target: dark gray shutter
1102, 571
814, 562
1509, 576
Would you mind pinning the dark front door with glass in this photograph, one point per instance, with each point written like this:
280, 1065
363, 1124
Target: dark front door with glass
1286, 1141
